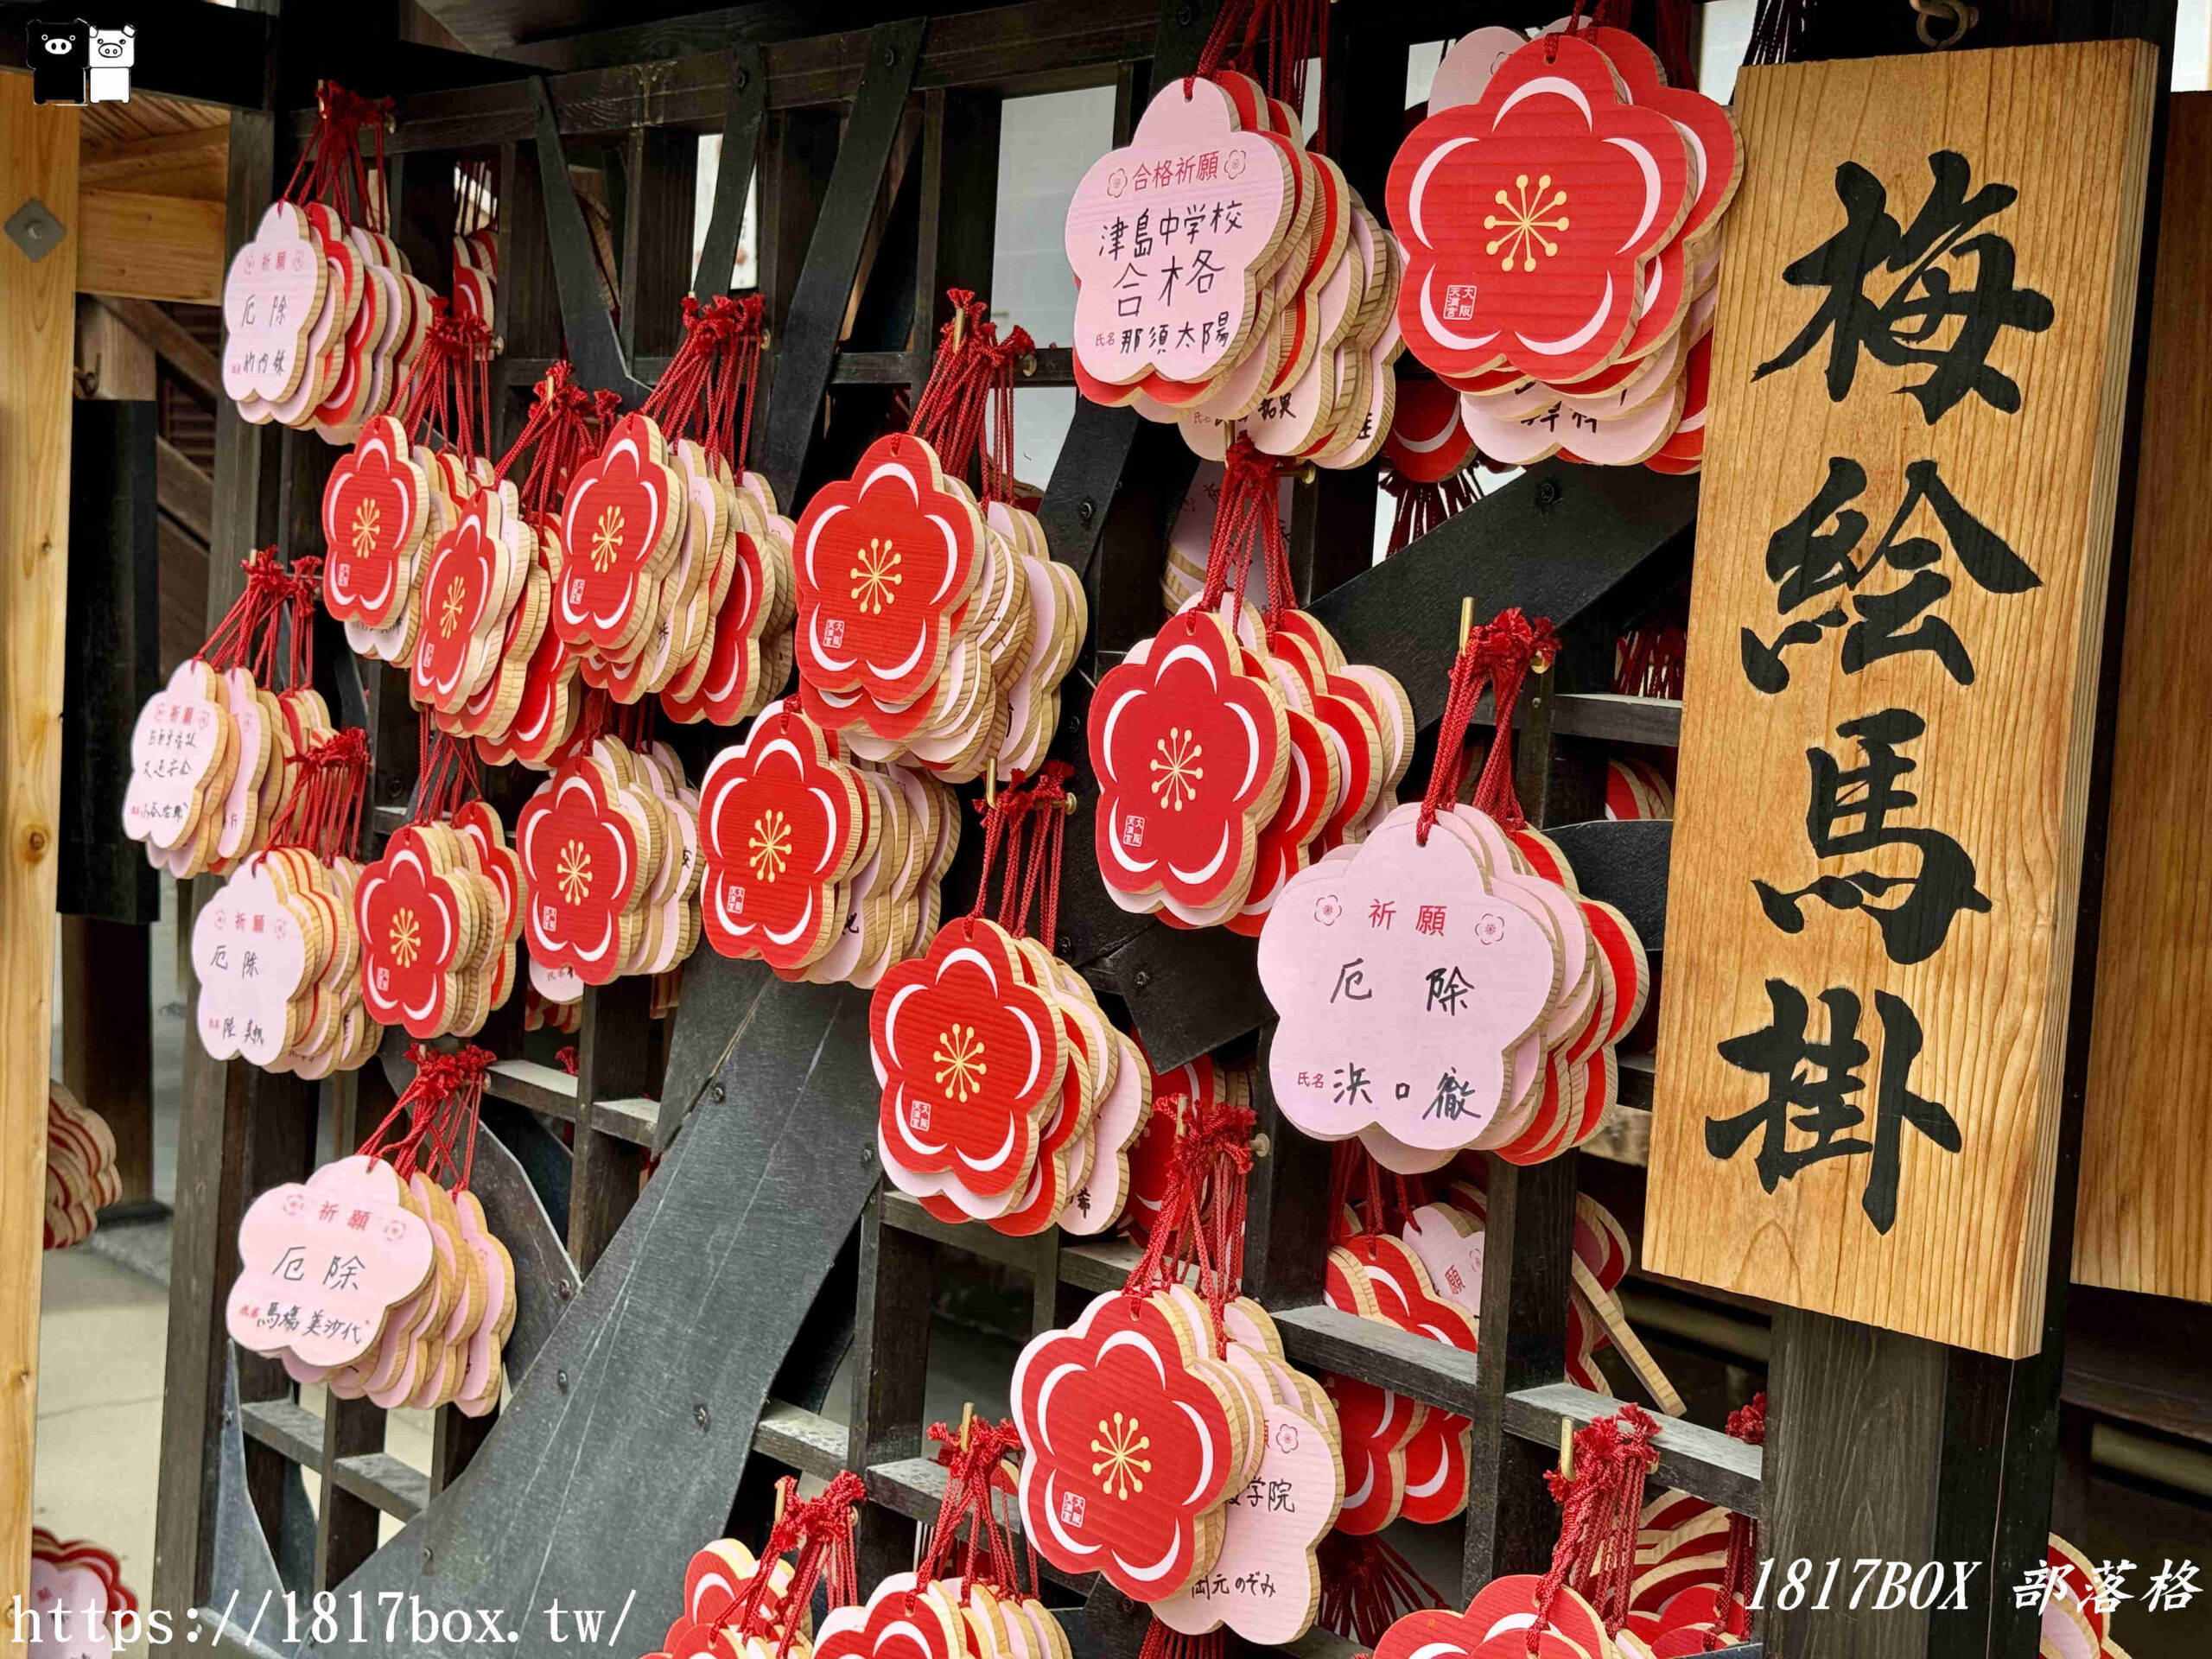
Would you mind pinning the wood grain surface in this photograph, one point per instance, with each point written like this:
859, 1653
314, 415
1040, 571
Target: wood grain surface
2145, 1217
152, 247
38, 158
2002, 766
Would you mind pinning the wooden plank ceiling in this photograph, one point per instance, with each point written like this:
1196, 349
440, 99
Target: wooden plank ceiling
557, 31
150, 199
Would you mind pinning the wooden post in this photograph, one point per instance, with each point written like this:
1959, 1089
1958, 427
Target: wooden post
1286, 1231
1854, 1447
212, 1128
613, 1061
898, 1282
1529, 1243
806, 347
38, 160
660, 168
959, 212
1903, 1447
107, 1025
346, 1524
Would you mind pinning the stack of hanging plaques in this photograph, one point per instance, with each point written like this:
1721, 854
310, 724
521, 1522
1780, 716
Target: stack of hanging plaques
610, 865
82, 1178
1538, 984
1560, 206
1228, 275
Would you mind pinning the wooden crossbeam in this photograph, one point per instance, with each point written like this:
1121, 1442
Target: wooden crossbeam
748, 103
809, 331
1602, 529
120, 166
185, 492
589, 325
150, 247
187, 359
1046, 44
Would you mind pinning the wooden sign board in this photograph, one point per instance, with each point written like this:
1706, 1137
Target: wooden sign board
2146, 1216
1918, 372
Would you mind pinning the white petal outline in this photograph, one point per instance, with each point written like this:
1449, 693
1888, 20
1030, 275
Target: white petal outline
1418, 189
1153, 1572
531, 820
904, 665
829, 822
1388, 1427
1198, 1488
1059, 1533
1353, 1500
1251, 748
1043, 1424
968, 953
905, 1628
927, 1148
1581, 337
1197, 655
1649, 164
1207, 871
951, 556
1697, 153
1036, 1049
1139, 1340
575, 781
1430, 1488
1556, 86
446, 921
799, 928
1435, 326
893, 469
706, 1583
837, 665
1424, 445
814, 536
891, 1020
629, 445
715, 791
1109, 813
1106, 732
997, 1159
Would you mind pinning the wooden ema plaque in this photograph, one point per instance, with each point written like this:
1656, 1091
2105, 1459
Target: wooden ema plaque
2146, 1216
1918, 373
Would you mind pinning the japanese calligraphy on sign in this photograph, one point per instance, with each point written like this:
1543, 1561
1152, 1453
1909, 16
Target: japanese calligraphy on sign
1896, 619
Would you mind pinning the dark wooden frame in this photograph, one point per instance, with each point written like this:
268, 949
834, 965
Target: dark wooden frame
920, 98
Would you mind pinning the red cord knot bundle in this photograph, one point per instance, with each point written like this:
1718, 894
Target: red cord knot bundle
770, 1606
1748, 1424
1600, 1505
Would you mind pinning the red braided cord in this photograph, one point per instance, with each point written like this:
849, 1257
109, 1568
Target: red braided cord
1748, 1424
1469, 670
1600, 1507
439, 1079
1516, 645
1201, 1219
1044, 794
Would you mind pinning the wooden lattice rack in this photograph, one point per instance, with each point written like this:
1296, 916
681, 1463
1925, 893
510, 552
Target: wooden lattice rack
876, 155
